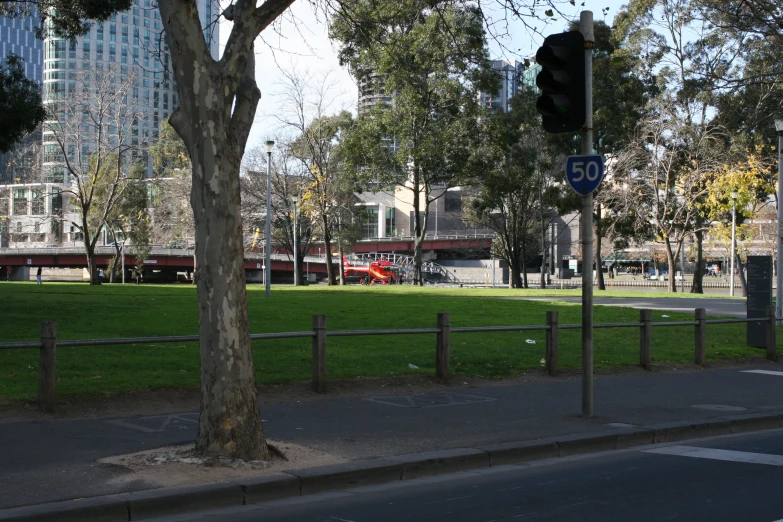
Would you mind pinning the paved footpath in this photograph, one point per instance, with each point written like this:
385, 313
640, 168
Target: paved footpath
54, 461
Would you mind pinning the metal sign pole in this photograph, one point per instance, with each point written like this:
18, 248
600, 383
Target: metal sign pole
586, 28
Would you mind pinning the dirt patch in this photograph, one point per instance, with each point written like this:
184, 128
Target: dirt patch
161, 402
174, 466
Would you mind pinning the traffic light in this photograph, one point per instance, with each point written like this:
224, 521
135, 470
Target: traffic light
562, 82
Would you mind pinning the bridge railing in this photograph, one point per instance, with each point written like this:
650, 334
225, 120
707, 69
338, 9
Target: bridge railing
48, 343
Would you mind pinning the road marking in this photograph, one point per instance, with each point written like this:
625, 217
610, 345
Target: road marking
765, 372
719, 454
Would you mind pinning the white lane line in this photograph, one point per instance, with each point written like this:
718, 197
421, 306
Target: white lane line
719, 454
765, 372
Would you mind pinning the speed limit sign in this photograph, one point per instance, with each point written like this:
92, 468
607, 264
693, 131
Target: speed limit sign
585, 173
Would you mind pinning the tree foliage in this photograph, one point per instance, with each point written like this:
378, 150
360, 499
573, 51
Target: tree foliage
425, 65
20, 103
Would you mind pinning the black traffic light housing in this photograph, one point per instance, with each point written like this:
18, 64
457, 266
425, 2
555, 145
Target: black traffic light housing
562, 82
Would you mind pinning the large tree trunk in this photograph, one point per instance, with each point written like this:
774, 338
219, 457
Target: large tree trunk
328, 248
89, 250
522, 260
698, 274
599, 268
218, 101
514, 264
342, 264
741, 274
670, 283
419, 228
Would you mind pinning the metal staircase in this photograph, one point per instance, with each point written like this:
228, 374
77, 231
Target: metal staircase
431, 272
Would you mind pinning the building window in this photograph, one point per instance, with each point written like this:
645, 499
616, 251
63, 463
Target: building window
391, 214
57, 203
20, 202
370, 223
38, 203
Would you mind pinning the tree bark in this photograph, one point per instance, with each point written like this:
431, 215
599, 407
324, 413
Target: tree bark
217, 108
516, 273
597, 240
342, 265
419, 228
670, 283
698, 274
328, 249
741, 274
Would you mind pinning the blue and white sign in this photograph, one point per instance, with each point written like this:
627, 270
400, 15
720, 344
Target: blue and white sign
585, 173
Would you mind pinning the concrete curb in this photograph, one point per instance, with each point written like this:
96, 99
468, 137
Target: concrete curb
147, 504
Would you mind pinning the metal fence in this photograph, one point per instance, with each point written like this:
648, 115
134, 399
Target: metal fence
48, 343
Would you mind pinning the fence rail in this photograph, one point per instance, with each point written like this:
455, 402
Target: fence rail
48, 343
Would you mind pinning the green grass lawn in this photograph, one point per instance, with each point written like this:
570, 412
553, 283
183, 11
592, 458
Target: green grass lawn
110, 311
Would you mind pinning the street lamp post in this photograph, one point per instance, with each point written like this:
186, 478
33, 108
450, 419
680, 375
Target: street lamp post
733, 238
268, 241
779, 264
294, 199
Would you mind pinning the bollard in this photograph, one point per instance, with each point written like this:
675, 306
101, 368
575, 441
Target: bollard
47, 365
772, 339
645, 331
551, 342
442, 348
319, 353
700, 340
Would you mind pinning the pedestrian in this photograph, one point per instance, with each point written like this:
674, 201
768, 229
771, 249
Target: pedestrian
38, 275
100, 275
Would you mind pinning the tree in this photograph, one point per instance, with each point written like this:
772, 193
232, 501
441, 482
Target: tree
433, 62
684, 140
20, 98
92, 132
170, 209
750, 179
507, 199
306, 103
128, 218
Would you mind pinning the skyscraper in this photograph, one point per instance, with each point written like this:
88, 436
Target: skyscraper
512, 77
17, 36
129, 49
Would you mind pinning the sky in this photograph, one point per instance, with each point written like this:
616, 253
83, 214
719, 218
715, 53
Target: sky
299, 40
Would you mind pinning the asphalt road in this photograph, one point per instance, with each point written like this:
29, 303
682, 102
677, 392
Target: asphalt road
726, 478
728, 307
61, 455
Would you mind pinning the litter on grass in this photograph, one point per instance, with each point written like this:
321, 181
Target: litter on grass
530, 341
413, 366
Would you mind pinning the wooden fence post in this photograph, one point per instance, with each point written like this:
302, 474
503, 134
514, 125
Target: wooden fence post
47, 367
700, 341
772, 339
442, 348
645, 333
551, 342
319, 353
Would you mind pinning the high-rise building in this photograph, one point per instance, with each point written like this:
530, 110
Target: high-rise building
17, 36
512, 77
129, 49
